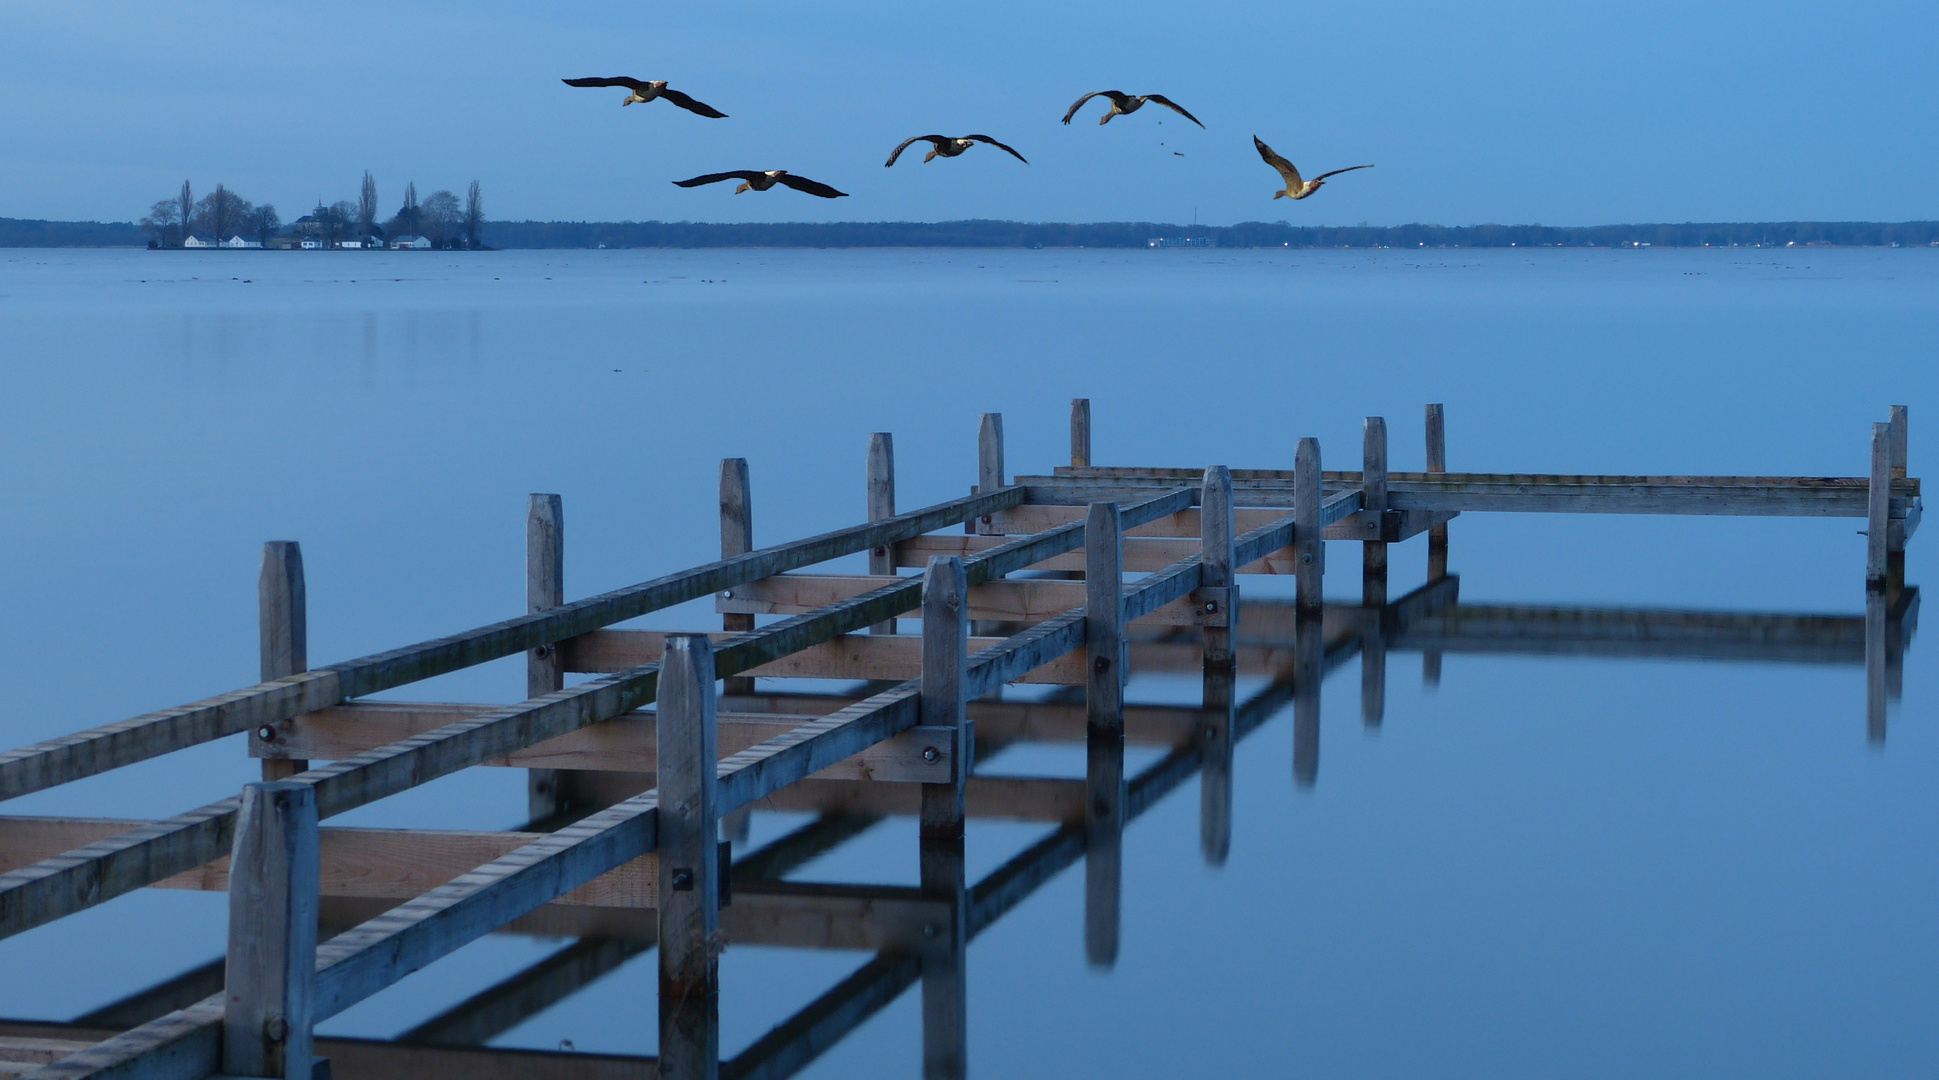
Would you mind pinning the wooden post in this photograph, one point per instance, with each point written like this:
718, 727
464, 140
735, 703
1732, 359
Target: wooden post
270, 975
282, 622
1878, 507
945, 680
945, 677
549, 792
1437, 536
1104, 731
1876, 695
1373, 492
688, 751
1308, 656
1895, 550
736, 538
881, 507
1373, 676
1307, 533
1216, 556
989, 453
1080, 432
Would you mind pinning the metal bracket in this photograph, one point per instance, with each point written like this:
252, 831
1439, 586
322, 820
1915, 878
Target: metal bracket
1214, 605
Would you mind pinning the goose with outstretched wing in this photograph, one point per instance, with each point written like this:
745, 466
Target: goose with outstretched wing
948, 147
752, 180
644, 90
1125, 104
1296, 188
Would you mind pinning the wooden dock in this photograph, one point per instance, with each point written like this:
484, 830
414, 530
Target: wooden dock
1078, 578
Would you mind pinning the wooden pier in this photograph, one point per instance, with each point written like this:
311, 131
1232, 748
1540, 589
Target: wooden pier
1074, 579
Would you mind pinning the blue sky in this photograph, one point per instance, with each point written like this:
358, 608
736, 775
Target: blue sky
1577, 113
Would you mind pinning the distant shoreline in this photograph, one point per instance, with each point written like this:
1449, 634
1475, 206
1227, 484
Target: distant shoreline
579, 235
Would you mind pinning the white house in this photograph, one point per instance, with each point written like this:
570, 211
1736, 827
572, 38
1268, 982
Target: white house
351, 245
239, 242
418, 242
196, 242
312, 244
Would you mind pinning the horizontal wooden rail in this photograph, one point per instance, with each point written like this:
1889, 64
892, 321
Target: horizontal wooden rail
87, 753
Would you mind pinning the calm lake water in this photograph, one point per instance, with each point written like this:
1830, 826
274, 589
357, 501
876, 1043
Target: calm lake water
1546, 866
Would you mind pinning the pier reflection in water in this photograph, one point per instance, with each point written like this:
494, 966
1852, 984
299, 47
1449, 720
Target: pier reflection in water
920, 935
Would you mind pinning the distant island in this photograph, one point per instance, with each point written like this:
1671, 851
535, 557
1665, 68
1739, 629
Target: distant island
16, 232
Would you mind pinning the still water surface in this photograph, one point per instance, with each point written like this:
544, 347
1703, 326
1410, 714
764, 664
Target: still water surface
1545, 866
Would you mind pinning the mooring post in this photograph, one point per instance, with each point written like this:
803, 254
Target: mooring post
1876, 686
282, 622
1895, 545
687, 748
1308, 659
1308, 540
1437, 536
548, 791
1104, 730
1878, 507
1080, 432
1216, 576
945, 714
736, 538
881, 507
270, 974
989, 465
1373, 493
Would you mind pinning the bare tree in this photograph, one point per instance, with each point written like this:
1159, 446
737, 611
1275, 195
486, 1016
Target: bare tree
185, 209
474, 216
339, 220
367, 207
163, 224
441, 215
408, 219
222, 212
265, 222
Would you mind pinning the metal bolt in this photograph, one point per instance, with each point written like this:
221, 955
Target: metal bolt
1211, 606
1210, 731
1101, 664
1306, 556
986, 519
276, 1029
727, 595
542, 651
266, 733
930, 930
931, 754
1372, 524
682, 880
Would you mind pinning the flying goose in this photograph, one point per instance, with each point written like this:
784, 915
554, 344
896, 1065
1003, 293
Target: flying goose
948, 147
647, 90
761, 181
1125, 104
1295, 187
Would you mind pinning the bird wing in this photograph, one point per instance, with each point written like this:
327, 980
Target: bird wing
1173, 106
935, 140
691, 105
1286, 169
617, 80
1000, 146
717, 177
812, 187
1112, 94
1337, 172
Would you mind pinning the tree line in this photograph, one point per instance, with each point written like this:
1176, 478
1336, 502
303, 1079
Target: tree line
440, 218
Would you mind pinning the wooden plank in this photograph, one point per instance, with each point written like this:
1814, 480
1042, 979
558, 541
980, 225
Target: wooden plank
283, 630
1104, 623
1027, 601
849, 657
1307, 525
270, 979
993, 798
689, 874
1898, 423
387, 864
1080, 432
547, 791
989, 453
1217, 561
1257, 479
881, 506
87, 753
25, 1050
1373, 488
945, 674
625, 744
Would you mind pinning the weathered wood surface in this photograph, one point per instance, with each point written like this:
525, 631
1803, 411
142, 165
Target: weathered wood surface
993, 798
1080, 432
881, 507
1105, 620
996, 601
943, 683
547, 791
270, 978
736, 538
625, 744
282, 629
851, 656
87, 753
1777, 496
1218, 562
1878, 509
1341, 524
1373, 489
689, 872
1307, 535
